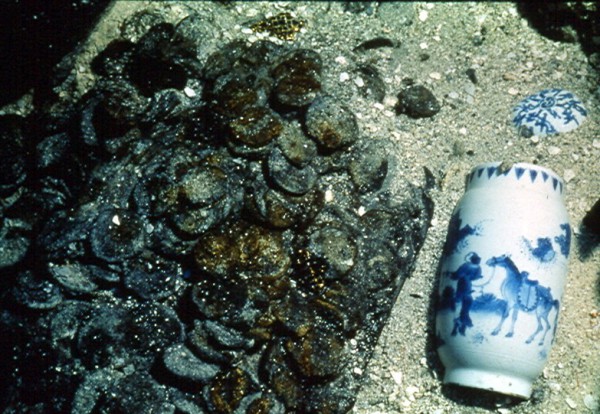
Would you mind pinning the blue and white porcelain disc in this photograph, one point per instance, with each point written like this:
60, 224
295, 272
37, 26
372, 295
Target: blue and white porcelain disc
549, 112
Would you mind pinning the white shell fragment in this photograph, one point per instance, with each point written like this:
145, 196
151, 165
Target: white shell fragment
549, 112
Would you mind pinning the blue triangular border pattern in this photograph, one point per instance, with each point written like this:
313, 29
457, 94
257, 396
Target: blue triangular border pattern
520, 172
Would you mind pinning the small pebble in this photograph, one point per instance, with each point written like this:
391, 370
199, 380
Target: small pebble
189, 92
470, 89
554, 386
553, 150
328, 196
591, 402
344, 76
535, 139
397, 377
341, 60
423, 15
423, 45
568, 175
571, 403
596, 143
513, 91
435, 75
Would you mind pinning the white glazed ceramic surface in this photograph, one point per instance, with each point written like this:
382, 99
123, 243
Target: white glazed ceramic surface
503, 273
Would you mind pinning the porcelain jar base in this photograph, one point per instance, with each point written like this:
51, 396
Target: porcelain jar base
503, 383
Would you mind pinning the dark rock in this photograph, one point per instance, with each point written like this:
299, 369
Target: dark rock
112, 60
202, 345
227, 338
577, 22
472, 75
318, 354
52, 149
162, 60
375, 43
417, 102
100, 338
94, 387
281, 210
258, 403
332, 248
591, 221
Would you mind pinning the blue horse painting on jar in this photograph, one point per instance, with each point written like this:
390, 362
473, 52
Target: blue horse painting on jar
464, 289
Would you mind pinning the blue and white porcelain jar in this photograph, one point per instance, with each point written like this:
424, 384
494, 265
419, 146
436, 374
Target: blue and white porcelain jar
503, 272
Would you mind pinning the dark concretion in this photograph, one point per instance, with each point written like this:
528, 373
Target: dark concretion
152, 277
374, 86
288, 177
368, 167
280, 210
73, 277
417, 102
217, 253
255, 127
162, 60
297, 78
14, 240
13, 154
36, 293
297, 148
116, 235
226, 390
183, 364
331, 124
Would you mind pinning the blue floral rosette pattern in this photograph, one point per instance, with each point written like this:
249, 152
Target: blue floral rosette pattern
549, 112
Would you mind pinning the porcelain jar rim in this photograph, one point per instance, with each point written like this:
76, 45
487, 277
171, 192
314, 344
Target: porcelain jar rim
520, 175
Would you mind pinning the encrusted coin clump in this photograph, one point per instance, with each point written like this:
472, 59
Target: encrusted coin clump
214, 252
